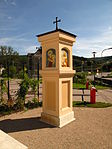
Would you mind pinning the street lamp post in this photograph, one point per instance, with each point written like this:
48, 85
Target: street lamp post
94, 66
23, 70
38, 67
82, 66
102, 56
8, 84
38, 75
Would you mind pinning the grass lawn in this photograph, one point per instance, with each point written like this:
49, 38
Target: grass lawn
5, 110
88, 104
78, 85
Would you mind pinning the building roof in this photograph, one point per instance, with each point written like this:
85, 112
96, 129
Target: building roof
39, 51
58, 30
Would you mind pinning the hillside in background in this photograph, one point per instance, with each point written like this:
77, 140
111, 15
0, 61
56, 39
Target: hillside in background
17, 61
91, 64
79, 63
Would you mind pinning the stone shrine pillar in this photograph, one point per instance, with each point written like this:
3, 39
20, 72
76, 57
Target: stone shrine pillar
57, 76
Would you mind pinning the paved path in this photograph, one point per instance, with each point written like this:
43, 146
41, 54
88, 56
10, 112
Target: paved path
102, 95
105, 95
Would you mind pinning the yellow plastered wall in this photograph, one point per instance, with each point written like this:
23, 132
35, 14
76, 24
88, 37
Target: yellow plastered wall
57, 81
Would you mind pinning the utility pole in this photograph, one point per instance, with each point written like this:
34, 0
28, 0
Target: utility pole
8, 84
94, 66
38, 75
82, 66
23, 70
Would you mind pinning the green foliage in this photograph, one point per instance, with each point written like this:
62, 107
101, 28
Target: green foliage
90, 65
4, 73
10, 57
107, 67
80, 77
24, 86
4, 110
7, 50
20, 103
34, 85
97, 86
7, 54
88, 104
3, 89
23, 90
31, 105
12, 71
21, 74
78, 85
21, 94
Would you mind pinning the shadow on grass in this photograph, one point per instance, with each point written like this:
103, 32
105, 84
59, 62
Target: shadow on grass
16, 125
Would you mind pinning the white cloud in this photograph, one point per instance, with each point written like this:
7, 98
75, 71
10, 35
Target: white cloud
12, 40
6, 1
20, 43
31, 49
9, 17
87, 45
83, 46
13, 3
110, 28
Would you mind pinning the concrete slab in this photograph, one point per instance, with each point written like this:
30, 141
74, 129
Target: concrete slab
7, 142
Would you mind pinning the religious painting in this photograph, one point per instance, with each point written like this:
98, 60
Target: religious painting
64, 58
51, 58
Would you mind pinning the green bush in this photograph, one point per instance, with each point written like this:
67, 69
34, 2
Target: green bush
31, 105
3, 89
80, 77
34, 86
12, 71
22, 74
4, 73
23, 90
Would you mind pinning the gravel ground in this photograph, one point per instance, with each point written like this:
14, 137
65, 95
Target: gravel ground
92, 129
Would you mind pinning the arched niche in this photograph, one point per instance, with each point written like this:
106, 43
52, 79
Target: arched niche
51, 58
64, 57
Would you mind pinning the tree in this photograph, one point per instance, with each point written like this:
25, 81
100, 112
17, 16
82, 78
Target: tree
8, 54
5, 50
9, 57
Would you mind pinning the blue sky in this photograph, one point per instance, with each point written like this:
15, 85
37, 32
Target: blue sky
90, 20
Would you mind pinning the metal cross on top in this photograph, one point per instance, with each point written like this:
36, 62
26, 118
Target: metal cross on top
56, 22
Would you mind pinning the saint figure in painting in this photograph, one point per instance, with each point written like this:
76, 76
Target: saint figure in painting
51, 58
64, 56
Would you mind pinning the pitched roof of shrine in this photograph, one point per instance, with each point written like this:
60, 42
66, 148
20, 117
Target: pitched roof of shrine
58, 30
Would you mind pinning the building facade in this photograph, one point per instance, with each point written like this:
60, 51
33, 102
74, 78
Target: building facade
34, 61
